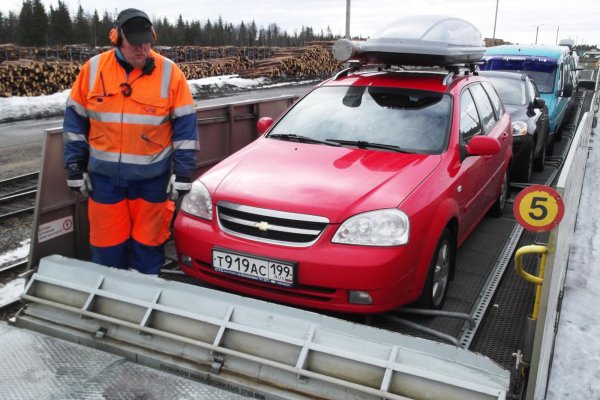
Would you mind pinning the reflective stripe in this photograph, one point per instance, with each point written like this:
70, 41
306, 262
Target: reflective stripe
166, 78
78, 108
131, 158
94, 62
186, 145
129, 118
74, 137
184, 110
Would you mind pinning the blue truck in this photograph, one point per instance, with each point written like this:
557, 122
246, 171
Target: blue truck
553, 68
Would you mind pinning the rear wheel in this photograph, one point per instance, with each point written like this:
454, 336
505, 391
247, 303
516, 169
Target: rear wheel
524, 175
540, 160
498, 208
436, 283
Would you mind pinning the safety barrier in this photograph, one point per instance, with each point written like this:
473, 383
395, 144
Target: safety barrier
569, 187
263, 349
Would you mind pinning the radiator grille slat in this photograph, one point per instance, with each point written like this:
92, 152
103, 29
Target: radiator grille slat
270, 226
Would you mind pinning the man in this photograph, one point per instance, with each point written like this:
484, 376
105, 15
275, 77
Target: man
130, 141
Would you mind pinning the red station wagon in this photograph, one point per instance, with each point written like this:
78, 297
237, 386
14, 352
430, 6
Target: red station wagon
357, 197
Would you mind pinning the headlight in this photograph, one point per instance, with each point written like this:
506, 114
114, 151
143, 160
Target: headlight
389, 227
198, 201
519, 128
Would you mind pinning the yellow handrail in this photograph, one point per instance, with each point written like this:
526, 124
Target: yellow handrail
536, 280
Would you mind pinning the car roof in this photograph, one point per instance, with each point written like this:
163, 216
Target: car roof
504, 74
528, 50
422, 80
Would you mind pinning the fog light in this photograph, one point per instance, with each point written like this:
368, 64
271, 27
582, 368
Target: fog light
187, 260
356, 297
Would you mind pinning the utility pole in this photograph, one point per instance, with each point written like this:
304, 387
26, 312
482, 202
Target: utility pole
347, 19
557, 28
495, 19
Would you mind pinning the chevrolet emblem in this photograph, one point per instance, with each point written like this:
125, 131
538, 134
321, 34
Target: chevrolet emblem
262, 225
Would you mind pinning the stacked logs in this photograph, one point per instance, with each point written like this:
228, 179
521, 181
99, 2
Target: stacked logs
308, 61
34, 78
216, 67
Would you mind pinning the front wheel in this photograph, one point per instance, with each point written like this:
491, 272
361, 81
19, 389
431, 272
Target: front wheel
438, 275
498, 208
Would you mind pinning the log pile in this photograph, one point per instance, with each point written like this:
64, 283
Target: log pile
34, 78
308, 61
216, 67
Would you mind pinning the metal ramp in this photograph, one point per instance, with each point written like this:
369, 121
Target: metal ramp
267, 350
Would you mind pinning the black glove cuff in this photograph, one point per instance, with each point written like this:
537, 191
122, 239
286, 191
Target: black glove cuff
75, 170
183, 178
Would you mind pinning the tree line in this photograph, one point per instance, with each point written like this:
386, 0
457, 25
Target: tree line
36, 26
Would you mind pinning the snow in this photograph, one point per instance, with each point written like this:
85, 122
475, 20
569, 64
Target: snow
574, 372
20, 108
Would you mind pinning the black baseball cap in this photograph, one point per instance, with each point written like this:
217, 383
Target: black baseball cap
136, 26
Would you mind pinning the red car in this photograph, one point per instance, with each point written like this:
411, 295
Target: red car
356, 198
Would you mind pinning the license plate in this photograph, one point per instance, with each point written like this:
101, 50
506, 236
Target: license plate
259, 269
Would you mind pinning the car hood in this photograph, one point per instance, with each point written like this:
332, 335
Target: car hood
517, 113
334, 182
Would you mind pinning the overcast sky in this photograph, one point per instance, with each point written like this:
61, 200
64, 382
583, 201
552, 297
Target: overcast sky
517, 20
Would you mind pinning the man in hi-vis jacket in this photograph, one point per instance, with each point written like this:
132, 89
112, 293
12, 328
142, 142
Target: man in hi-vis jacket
130, 143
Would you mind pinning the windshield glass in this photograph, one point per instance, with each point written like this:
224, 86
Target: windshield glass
415, 121
541, 69
511, 91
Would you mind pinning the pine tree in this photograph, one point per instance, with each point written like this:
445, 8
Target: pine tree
81, 28
61, 26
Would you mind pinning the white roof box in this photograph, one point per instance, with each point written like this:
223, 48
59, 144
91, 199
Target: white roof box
425, 40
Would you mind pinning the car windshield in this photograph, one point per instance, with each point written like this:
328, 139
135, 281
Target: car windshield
541, 69
511, 91
413, 121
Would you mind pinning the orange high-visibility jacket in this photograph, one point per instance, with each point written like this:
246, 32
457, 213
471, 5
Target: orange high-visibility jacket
133, 137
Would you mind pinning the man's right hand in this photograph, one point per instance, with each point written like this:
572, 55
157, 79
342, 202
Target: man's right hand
80, 182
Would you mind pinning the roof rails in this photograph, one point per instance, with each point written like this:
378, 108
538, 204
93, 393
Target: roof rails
453, 69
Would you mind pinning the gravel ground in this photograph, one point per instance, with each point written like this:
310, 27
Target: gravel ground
17, 160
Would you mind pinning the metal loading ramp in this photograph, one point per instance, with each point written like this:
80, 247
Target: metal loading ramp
272, 351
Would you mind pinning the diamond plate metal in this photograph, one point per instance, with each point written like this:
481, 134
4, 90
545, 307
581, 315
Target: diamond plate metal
35, 366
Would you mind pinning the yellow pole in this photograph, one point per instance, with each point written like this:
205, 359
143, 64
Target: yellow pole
536, 280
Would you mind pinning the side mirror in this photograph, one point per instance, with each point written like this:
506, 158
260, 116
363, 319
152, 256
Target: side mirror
482, 146
568, 90
264, 124
538, 102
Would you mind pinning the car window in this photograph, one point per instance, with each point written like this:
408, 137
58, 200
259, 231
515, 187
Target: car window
416, 121
486, 112
495, 99
511, 91
541, 69
469, 118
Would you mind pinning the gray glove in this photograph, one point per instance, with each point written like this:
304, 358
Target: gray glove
80, 183
179, 186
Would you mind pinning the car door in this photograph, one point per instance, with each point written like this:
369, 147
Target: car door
494, 164
540, 118
472, 176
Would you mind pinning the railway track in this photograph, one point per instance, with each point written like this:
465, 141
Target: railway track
17, 195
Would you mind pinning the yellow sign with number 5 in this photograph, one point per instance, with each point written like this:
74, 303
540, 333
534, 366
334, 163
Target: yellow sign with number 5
539, 208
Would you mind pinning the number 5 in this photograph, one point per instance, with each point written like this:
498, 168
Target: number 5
536, 206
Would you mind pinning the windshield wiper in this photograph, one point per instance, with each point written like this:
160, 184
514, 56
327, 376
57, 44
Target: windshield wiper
303, 139
361, 144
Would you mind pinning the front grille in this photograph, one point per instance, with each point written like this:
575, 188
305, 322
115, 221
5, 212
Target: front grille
270, 226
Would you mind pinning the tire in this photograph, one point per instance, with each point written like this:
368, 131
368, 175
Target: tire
442, 263
498, 208
539, 161
524, 175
